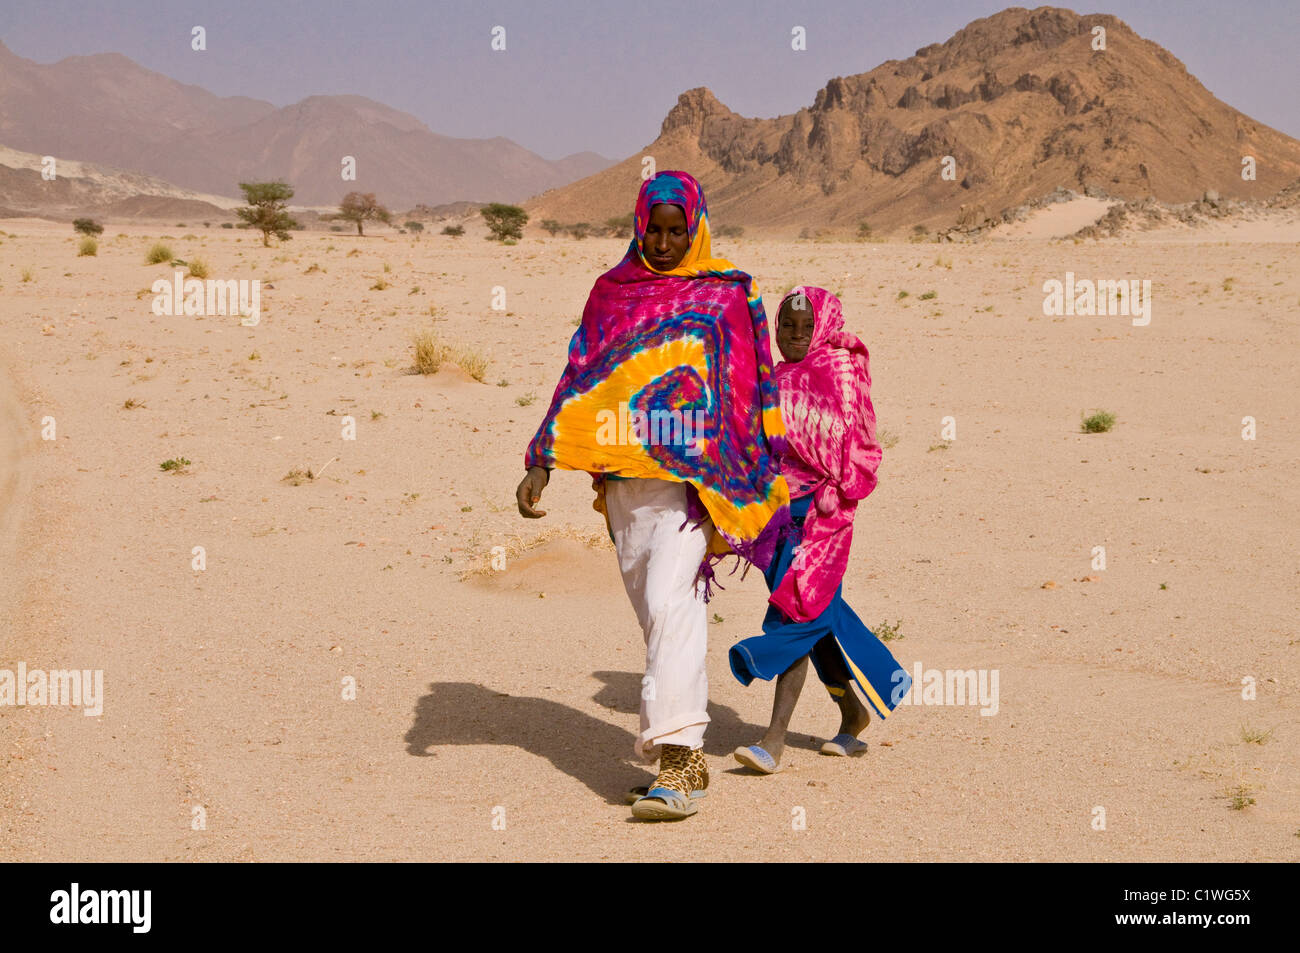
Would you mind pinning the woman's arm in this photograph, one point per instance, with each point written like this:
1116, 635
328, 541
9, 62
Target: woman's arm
529, 492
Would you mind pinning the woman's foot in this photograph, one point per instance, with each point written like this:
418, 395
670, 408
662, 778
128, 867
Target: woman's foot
682, 772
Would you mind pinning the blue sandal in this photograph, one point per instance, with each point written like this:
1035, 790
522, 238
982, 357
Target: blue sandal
756, 758
844, 745
635, 794
665, 804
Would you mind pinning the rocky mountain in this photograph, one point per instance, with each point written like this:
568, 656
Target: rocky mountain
1021, 101
108, 110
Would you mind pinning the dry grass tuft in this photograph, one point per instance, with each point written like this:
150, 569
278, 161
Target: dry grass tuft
516, 546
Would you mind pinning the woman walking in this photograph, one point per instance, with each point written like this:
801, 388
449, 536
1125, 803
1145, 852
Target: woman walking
670, 403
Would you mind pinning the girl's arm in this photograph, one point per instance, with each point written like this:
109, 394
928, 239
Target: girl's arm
862, 454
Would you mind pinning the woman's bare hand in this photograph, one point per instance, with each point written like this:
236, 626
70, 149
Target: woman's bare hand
530, 492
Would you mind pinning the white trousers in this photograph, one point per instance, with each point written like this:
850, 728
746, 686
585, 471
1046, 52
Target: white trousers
659, 562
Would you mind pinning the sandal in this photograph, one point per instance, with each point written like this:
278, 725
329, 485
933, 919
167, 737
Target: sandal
756, 758
682, 773
844, 745
664, 804
635, 794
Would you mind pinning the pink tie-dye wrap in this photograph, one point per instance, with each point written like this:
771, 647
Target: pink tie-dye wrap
831, 452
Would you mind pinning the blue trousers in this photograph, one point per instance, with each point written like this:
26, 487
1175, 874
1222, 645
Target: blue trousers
874, 669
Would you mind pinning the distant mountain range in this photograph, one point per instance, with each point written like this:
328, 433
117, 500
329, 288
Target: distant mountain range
1016, 105
1021, 101
110, 111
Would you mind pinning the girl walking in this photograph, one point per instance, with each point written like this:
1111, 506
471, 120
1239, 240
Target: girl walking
830, 465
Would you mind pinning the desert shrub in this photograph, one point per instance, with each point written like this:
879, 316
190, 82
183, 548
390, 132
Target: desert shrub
158, 254
455, 231
431, 353
889, 633
88, 247
361, 207
1099, 422
265, 210
472, 363
198, 268
87, 226
504, 221
621, 224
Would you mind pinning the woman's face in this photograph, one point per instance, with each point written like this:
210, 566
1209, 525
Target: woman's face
666, 239
794, 328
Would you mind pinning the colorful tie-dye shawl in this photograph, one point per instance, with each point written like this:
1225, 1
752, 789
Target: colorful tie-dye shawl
670, 377
832, 452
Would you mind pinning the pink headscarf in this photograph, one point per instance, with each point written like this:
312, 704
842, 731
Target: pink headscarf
831, 452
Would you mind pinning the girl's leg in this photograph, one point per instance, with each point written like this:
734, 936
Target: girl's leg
854, 716
788, 686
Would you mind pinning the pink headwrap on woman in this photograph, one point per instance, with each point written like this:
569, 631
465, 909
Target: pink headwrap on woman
831, 452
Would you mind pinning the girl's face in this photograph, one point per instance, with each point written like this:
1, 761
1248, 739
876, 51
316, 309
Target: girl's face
666, 239
794, 328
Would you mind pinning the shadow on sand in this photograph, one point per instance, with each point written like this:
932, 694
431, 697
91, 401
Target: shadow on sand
585, 747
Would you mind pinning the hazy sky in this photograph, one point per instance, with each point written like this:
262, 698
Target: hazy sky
576, 77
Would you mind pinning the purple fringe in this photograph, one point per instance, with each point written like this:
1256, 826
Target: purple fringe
758, 553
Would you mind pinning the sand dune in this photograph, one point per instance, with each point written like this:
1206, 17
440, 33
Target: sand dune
477, 699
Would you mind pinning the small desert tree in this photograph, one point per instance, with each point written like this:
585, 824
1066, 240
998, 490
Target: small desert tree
359, 207
504, 221
416, 227
87, 226
621, 225
266, 209
552, 226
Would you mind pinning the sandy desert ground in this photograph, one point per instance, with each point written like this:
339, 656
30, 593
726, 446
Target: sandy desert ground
495, 710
